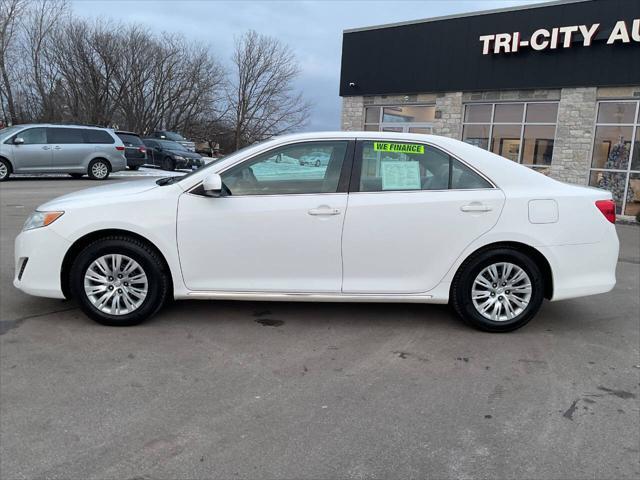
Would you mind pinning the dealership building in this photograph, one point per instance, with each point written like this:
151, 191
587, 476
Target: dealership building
554, 86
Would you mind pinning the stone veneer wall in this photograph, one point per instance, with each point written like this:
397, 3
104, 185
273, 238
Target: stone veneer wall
352, 113
448, 121
574, 135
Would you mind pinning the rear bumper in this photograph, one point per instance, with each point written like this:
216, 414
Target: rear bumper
136, 162
45, 251
581, 270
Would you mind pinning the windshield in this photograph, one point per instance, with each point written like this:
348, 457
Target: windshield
170, 145
130, 140
6, 132
176, 137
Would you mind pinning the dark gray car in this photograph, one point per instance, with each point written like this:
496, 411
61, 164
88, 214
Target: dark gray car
49, 148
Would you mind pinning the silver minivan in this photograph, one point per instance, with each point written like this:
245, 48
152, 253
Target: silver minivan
49, 148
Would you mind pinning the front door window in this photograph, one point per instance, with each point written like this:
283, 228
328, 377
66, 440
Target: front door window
301, 168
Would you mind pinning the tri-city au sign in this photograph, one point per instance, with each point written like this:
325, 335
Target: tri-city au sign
559, 37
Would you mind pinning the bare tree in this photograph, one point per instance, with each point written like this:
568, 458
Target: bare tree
10, 12
261, 96
40, 26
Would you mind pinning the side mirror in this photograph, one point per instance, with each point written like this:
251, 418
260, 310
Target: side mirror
212, 185
18, 141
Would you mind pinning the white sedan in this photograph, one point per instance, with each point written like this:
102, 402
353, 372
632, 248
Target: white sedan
389, 218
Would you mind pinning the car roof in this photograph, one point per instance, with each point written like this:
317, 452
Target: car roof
62, 125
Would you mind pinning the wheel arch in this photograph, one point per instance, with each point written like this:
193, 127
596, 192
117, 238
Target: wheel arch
87, 239
2, 157
106, 160
535, 255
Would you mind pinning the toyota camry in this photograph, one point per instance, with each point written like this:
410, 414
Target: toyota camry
387, 218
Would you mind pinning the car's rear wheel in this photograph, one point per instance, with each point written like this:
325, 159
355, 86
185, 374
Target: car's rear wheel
5, 170
98, 169
168, 164
498, 290
119, 281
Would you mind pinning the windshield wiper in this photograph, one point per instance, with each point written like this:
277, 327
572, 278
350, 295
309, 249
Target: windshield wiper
165, 181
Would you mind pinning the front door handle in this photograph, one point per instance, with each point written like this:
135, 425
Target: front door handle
58, 147
324, 211
46, 147
476, 207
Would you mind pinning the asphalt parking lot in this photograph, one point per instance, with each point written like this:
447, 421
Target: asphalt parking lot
293, 390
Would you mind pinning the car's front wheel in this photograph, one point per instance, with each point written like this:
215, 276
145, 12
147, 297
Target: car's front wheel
5, 170
498, 290
98, 169
119, 281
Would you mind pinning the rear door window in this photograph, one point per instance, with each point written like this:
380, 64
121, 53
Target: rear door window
97, 136
65, 135
401, 166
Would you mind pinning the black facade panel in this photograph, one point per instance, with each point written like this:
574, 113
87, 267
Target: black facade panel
446, 55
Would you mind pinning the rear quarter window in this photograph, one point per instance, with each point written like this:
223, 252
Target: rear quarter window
97, 136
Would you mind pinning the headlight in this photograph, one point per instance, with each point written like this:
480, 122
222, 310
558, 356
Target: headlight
40, 219
178, 157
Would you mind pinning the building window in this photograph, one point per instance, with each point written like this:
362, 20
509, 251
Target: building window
615, 159
400, 118
522, 132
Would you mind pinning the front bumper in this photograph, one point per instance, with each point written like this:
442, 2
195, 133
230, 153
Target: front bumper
191, 163
45, 251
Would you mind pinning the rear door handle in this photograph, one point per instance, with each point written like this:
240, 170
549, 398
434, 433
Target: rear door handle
58, 147
324, 211
46, 147
476, 207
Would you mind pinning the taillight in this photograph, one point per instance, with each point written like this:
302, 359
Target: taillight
142, 150
608, 209
119, 148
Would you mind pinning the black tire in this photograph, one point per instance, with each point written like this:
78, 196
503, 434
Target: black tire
463, 283
76, 175
5, 170
98, 169
147, 258
136, 167
168, 164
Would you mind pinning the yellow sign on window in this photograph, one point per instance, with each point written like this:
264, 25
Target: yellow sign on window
398, 147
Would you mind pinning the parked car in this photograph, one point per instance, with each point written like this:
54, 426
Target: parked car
316, 159
170, 155
50, 148
393, 218
135, 150
176, 137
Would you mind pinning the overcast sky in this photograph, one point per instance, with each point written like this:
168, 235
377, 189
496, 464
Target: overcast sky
312, 29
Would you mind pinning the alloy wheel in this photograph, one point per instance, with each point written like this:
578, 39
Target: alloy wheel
4, 171
116, 284
99, 170
501, 291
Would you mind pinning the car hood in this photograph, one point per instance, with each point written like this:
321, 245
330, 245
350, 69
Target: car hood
100, 194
